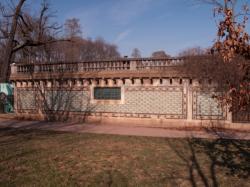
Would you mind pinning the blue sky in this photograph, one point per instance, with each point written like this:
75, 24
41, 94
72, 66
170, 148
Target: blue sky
150, 25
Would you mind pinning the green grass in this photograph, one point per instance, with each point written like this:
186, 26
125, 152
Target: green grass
43, 158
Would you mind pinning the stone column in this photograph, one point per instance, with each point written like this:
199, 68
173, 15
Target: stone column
110, 82
78, 83
229, 118
132, 65
146, 81
128, 82
188, 89
86, 82
102, 82
41, 98
13, 68
166, 81
94, 82
137, 82
156, 82
119, 82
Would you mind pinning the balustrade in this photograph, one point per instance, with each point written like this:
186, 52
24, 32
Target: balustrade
114, 65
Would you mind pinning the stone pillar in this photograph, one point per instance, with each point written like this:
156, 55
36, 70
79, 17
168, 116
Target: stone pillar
102, 82
137, 82
41, 98
110, 82
69, 82
166, 82
128, 82
18, 84
78, 83
196, 82
13, 68
29, 83
175, 81
50, 83
132, 65
156, 82
86, 82
94, 82
146, 81
188, 89
229, 118
56, 83
119, 82
24, 84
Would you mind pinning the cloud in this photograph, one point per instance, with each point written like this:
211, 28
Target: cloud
121, 36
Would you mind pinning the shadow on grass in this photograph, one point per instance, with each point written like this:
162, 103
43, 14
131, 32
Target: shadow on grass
205, 160
10, 136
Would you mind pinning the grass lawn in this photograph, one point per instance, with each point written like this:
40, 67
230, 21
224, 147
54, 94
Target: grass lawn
43, 158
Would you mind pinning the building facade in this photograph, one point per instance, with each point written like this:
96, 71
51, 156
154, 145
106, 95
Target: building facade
154, 92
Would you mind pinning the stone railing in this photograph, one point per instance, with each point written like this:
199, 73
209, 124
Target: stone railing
111, 65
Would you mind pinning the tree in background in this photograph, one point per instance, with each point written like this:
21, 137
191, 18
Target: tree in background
136, 53
160, 54
79, 48
72, 31
72, 28
193, 51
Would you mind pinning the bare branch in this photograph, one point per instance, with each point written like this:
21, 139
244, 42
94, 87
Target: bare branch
30, 43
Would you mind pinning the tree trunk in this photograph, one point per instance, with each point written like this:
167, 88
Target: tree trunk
10, 43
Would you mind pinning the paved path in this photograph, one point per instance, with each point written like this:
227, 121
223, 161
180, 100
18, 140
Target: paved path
121, 130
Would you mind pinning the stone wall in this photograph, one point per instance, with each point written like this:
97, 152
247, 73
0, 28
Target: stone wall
152, 89
167, 101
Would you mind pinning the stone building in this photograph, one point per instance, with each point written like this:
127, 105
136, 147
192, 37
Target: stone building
143, 91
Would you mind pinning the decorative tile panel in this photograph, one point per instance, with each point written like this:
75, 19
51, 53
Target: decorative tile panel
26, 99
139, 101
206, 107
167, 101
67, 100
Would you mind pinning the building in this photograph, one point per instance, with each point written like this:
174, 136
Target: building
145, 91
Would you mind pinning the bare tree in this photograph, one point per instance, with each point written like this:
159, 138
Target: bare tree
160, 54
85, 49
20, 31
193, 51
136, 53
72, 31
10, 36
98, 49
72, 28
